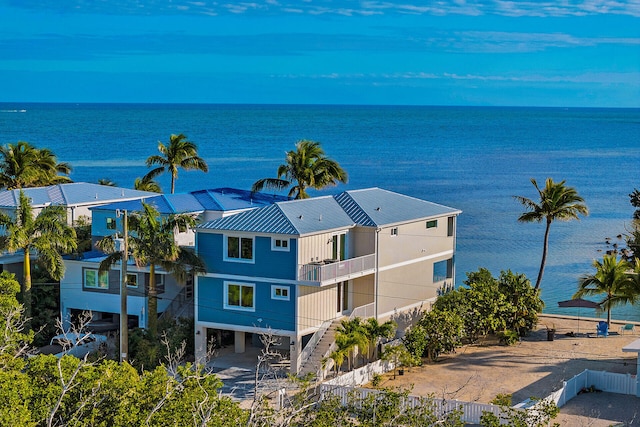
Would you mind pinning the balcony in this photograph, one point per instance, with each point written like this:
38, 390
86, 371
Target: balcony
329, 272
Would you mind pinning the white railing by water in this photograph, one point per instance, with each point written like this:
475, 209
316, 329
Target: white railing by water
330, 270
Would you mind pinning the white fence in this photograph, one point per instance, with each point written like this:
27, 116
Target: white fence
599, 380
471, 411
361, 375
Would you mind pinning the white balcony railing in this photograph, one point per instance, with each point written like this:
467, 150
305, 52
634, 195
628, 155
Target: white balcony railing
331, 270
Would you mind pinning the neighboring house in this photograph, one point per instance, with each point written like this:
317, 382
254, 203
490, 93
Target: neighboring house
77, 197
293, 267
82, 288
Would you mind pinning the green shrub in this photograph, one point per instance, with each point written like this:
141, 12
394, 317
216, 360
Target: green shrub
508, 337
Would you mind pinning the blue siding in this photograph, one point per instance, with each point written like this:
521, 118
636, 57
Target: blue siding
267, 263
276, 314
99, 223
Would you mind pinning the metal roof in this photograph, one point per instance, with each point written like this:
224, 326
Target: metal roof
163, 203
230, 199
295, 217
218, 199
70, 194
378, 207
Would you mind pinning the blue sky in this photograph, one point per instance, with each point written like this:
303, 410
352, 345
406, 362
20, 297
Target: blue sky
458, 52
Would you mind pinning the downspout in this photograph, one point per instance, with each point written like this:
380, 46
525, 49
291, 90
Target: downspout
375, 291
455, 244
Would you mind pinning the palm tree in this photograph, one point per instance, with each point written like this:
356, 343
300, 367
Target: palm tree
147, 184
48, 234
179, 153
557, 202
351, 337
151, 243
22, 165
374, 331
306, 166
107, 182
611, 278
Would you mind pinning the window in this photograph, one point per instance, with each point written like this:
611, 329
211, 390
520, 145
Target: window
94, 280
280, 292
394, 231
450, 225
239, 296
442, 270
239, 249
111, 223
280, 245
132, 280
432, 223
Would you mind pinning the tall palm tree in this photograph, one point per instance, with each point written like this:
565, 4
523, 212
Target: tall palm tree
151, 243
306, 166
611, 278
179, 153
557, 202
22, 165
47, 234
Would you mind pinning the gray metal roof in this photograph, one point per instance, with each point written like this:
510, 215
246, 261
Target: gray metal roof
378, 207
295, 217
71, 194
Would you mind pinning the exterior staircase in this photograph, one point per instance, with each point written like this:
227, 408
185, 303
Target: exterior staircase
314, 363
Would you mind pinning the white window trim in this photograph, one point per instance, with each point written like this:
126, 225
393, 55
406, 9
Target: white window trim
225, 296
281, 298
280, 248
432, 221
137, 281
225, 249
98, 274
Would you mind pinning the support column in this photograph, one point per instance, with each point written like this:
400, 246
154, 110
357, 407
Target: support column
295, 349
239, 340
200, 344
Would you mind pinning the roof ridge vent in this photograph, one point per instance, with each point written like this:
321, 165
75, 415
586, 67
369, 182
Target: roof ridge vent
320, 219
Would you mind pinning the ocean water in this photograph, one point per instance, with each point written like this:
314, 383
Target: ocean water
472, 158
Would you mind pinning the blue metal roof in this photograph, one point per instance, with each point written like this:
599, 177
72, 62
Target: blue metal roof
218, 199
295, 217
70, 194
163, 203
378, 207
230, 199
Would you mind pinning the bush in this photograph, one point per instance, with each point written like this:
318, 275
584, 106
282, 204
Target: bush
508, 337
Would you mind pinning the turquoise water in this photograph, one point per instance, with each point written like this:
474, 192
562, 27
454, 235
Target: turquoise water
471, 158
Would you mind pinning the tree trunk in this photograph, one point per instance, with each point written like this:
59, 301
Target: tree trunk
545, 249
26, 289
152, 298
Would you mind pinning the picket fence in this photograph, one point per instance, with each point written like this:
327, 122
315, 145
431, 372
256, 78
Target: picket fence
598, 380
471, 411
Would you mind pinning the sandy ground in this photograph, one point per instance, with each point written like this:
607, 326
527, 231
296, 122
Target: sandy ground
535, 367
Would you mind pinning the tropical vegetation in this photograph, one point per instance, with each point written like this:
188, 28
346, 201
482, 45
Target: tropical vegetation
613, 277
557, 202
22, 165
305, 167
178, 153
46, 234
485, 305
152, 243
